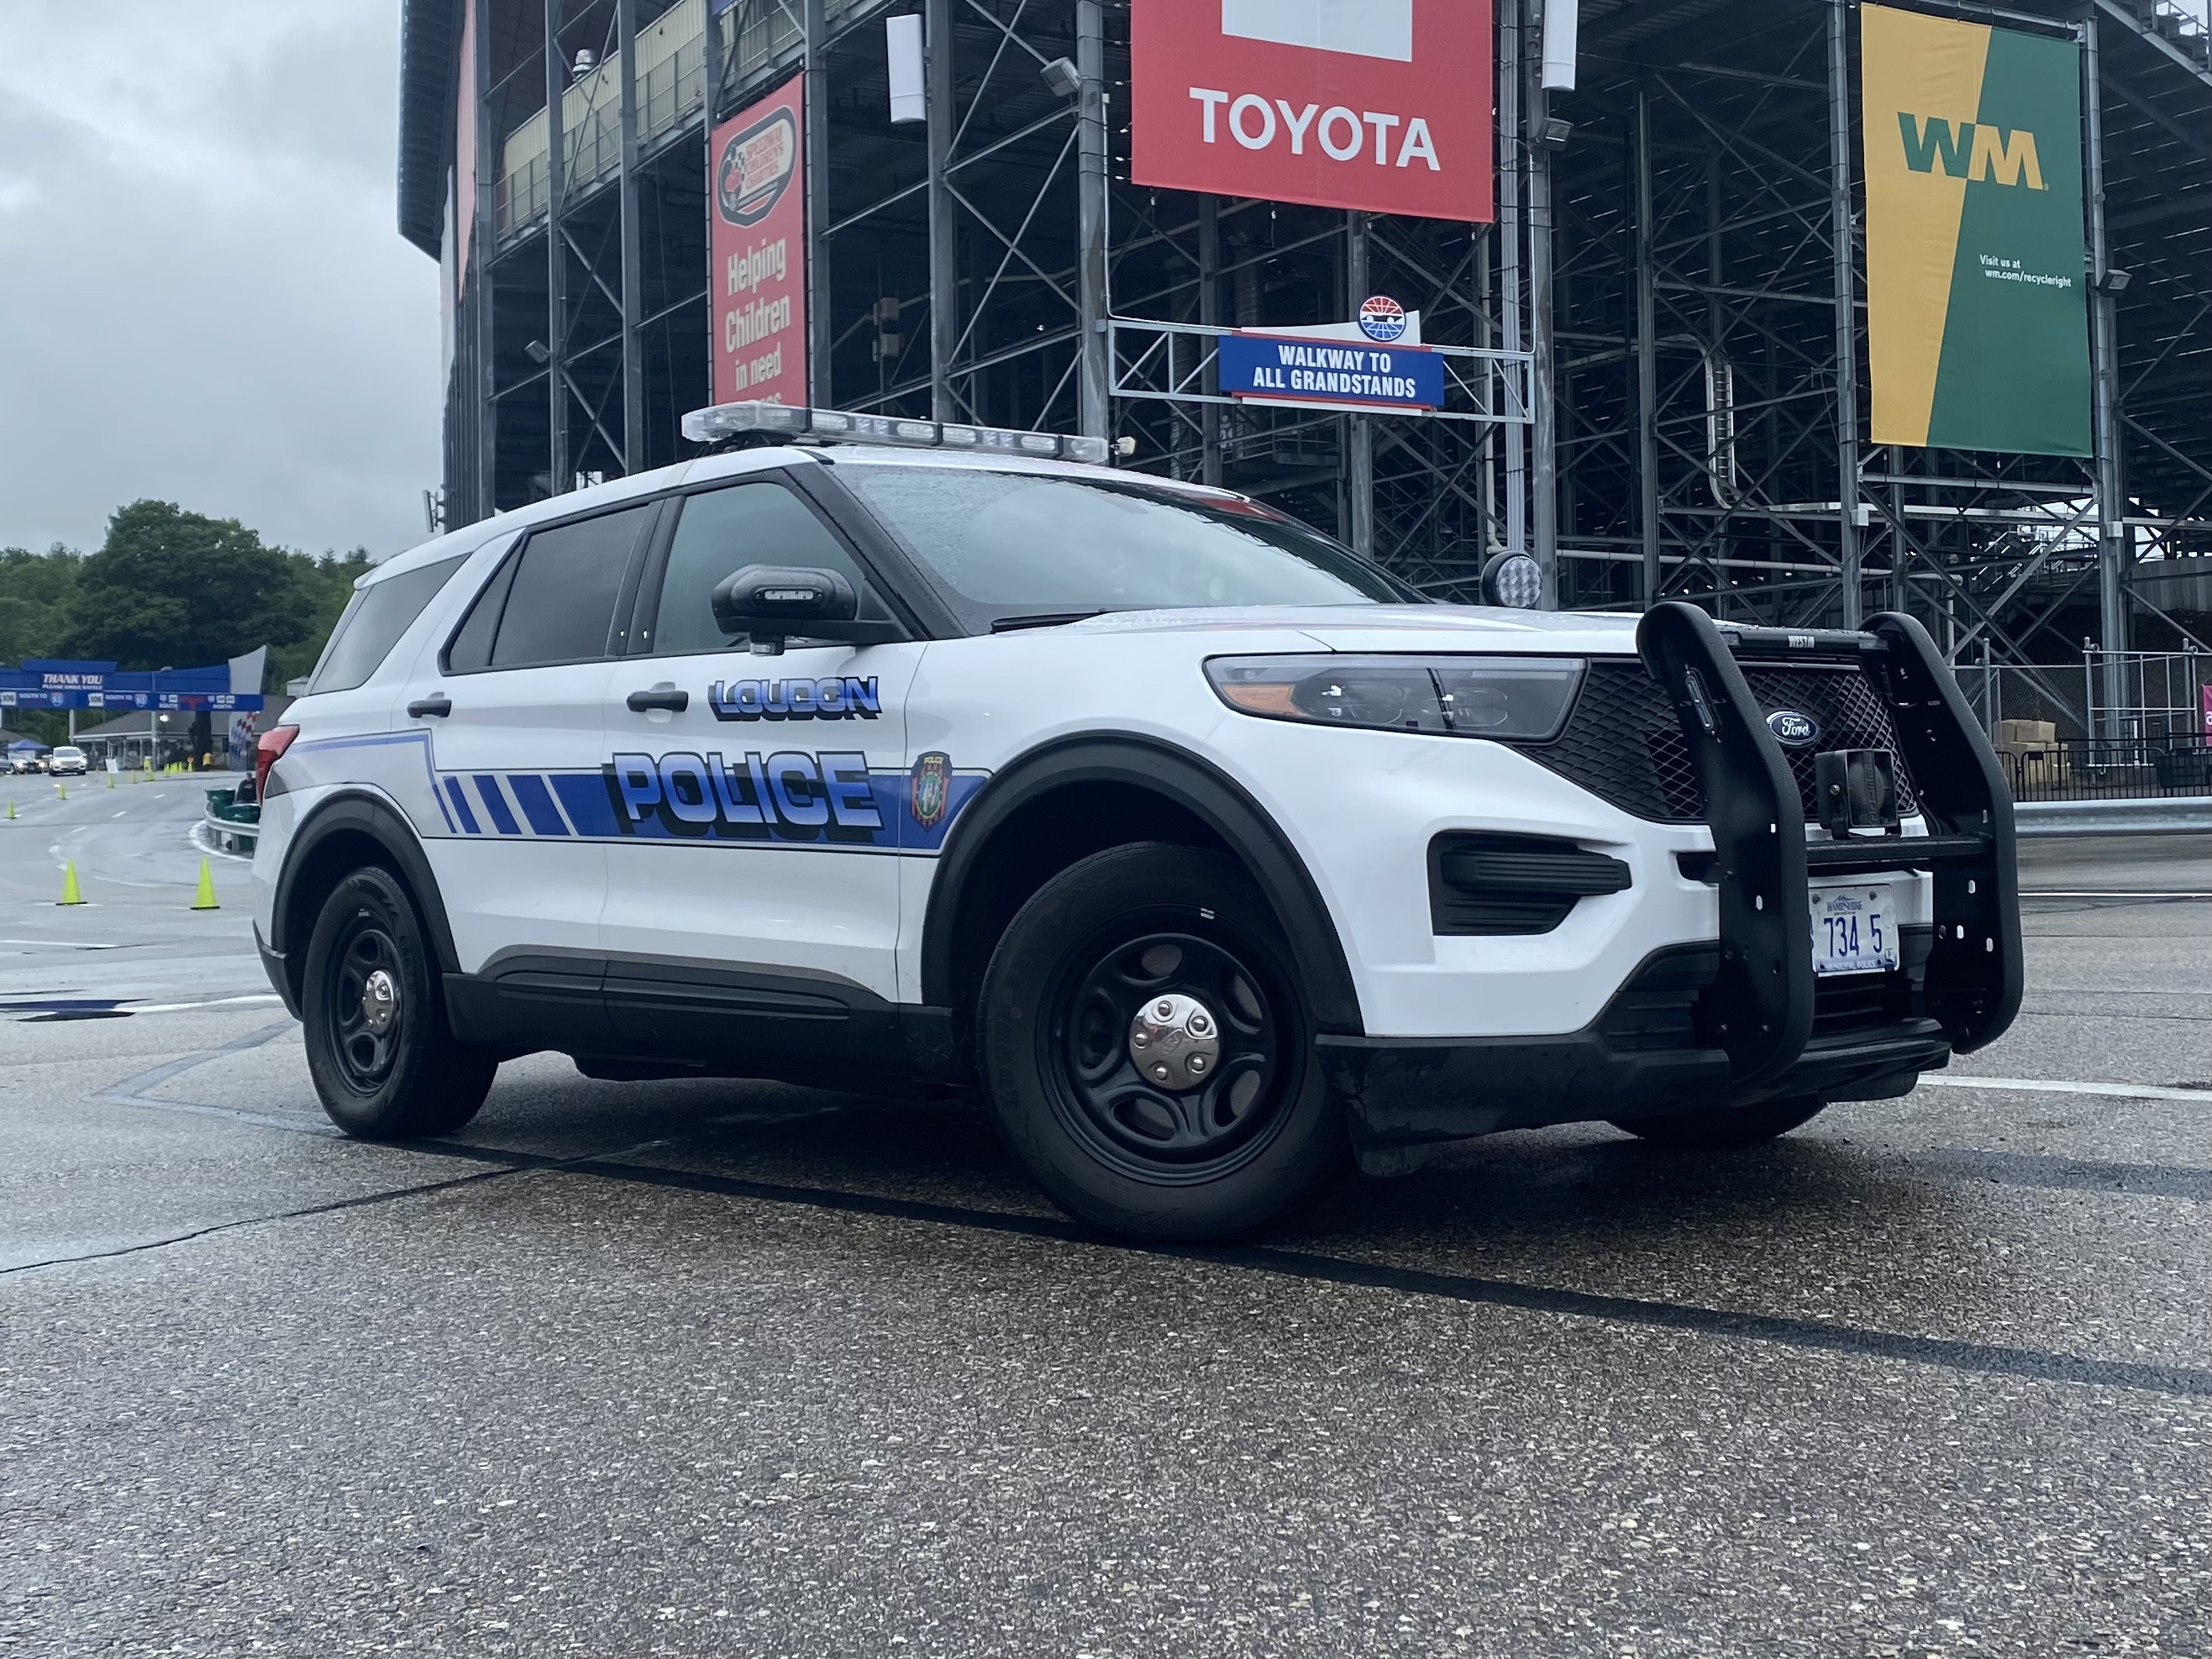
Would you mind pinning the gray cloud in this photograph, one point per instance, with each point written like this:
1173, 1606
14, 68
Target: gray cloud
206, 298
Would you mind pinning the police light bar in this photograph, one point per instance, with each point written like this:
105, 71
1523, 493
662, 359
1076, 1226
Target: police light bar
706, 426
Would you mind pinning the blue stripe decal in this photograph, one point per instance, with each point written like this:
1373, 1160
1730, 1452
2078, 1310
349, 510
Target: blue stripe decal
495, 803
537, 805
461, 806
585, 796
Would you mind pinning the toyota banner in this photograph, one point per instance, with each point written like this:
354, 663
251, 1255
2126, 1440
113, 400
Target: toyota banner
1381, 105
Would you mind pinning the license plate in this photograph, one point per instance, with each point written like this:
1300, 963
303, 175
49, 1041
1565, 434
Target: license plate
1854, 930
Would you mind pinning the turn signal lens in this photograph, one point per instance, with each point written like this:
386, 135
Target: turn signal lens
1515, 699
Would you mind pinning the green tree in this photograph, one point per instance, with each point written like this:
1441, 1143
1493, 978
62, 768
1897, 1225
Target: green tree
36, 590
170, 588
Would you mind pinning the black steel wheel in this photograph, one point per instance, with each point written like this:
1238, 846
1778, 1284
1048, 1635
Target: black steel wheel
1168, 1051
366, 1014
384, 1063
1148, 1050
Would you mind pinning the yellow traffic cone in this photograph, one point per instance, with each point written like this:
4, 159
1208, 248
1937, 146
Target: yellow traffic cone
205, 899
11, 812
61, 791
111, 780
70, 893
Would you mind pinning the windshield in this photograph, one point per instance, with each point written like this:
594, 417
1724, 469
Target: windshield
1001, 545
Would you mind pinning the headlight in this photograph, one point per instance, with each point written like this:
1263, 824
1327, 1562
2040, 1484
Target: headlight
1518, 699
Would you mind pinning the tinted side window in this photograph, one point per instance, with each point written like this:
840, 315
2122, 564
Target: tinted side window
560, 604
471, 648
374, 621
725, 530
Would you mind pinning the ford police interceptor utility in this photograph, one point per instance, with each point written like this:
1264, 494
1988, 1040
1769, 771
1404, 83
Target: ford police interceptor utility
1208, 852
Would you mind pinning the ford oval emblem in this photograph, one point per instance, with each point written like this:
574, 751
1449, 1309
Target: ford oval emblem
1793, 730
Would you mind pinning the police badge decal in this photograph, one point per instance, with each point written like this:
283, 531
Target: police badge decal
929, 788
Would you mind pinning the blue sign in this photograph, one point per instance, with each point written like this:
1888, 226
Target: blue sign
40, 682
1348, 373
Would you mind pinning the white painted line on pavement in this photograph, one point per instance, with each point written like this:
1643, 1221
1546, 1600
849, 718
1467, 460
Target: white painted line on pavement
2045, 1085
212, 1002
2048, 892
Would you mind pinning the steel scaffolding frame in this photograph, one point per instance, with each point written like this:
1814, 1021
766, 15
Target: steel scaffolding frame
1663, 329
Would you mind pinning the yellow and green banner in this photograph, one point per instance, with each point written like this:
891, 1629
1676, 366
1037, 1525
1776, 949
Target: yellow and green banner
1977, 327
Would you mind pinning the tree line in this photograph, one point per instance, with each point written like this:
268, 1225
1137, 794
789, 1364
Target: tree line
172, 589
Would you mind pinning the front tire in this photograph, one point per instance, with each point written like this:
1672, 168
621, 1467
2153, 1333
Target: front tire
1718, 1128
385, 1064
1147, 1048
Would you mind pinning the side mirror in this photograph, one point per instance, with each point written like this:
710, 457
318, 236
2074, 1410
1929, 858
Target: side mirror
774, 602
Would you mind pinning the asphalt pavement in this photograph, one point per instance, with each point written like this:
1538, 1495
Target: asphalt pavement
708, 1368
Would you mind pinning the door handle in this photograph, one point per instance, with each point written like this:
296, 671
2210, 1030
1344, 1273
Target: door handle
440, 706
662, 695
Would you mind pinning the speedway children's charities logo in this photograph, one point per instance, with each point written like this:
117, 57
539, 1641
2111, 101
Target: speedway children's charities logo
757, 162
1382, 106
1381, 319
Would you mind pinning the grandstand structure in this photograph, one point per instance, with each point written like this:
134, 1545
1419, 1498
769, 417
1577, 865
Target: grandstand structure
1661, 390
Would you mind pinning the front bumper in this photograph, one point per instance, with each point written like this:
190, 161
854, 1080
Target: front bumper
1743, 1018
1656, 1048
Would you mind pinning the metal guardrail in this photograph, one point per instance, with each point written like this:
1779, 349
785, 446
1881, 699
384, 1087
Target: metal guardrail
2145, 816
233, 827
2105, 769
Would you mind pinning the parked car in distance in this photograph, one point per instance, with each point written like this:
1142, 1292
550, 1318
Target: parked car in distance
20, 764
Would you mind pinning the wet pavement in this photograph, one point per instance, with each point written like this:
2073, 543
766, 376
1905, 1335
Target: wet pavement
726, 1368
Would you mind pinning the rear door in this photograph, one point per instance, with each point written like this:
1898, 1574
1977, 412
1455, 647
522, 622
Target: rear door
755, 867
517, 728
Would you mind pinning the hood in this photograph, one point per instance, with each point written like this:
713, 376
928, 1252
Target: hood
1395, 627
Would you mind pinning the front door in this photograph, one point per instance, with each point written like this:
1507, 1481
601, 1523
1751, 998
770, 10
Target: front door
753, 875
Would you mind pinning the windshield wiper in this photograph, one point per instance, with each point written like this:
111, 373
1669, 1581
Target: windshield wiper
1041, 619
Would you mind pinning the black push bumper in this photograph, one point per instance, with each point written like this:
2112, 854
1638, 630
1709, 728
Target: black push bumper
1742, 1020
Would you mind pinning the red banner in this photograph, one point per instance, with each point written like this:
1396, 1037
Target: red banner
1383, 105
759, 255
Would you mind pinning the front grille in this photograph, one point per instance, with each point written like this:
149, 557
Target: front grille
1624, 743
1852, 711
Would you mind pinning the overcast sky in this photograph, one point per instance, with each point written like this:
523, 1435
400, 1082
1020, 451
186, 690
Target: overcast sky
206, 298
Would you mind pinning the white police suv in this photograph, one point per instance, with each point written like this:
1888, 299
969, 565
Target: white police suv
890, 753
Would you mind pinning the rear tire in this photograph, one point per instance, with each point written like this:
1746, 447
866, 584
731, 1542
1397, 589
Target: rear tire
1717, 1128
385, 1064
1179, 947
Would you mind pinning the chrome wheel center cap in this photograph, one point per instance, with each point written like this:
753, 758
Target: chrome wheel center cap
1175, 1042
380, 1002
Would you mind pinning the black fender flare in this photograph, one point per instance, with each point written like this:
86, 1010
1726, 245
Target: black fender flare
357, 812
1188, 781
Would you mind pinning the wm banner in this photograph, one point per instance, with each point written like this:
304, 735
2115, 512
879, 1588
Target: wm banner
1977, 329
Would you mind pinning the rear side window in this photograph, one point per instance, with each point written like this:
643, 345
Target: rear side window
554, 601
373, 620
723, 531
